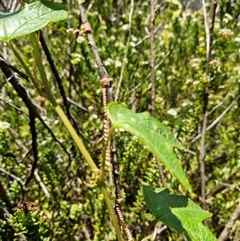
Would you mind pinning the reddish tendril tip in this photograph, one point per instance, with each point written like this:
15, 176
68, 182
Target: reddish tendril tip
86, 28
105, 81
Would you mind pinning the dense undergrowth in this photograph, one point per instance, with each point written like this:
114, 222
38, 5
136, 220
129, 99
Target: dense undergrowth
68, 199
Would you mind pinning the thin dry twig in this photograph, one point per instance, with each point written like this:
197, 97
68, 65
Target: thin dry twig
22, 184
218, 119
76, 104
39, 180
19, 181
223, 189
13, 106
148, 36
152, 79
236, 236
205, 114
202, 150
128, 92
226, 231
13, 177
126, 52
158, 229
157, 10
152, 60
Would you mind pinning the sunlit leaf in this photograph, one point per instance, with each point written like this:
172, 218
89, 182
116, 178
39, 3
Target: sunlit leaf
30, 18
157, 137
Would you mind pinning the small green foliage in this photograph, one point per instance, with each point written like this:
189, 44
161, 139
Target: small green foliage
27, 220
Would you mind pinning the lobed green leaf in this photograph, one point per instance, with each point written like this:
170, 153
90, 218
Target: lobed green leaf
179, 213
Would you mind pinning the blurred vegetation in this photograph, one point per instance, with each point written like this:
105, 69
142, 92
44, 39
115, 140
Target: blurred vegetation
67, 206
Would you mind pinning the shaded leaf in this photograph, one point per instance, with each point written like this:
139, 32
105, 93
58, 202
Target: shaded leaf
179, 213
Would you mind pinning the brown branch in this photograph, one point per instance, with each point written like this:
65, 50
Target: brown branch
4, 214
13, 106
101, 70
202, 160
152, 60
226, 231
22, 93
32, 122
106, 83
202, 150
237, 236
205, 103
14, 69
105, 80
152, 79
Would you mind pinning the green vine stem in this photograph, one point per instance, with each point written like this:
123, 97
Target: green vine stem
91, 163
26, 68
111, 211
68, 125
38, 62
77, 139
